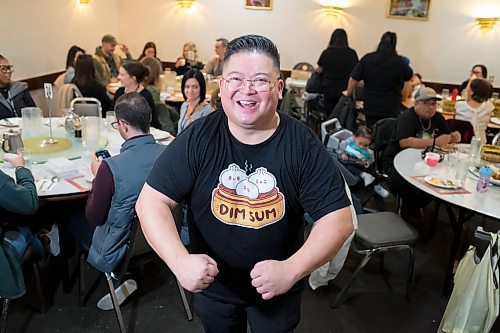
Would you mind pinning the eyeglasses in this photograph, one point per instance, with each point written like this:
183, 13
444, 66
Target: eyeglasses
7, 69
114, 124
259, 84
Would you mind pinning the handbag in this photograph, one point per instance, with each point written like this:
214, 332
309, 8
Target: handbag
474, 303
345, 111
315, 83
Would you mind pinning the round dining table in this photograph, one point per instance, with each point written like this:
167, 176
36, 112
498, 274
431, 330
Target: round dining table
411, 167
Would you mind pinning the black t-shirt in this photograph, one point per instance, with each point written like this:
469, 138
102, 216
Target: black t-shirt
247, 201
383, 84
338, 62
95, 89
408, 125
147, 95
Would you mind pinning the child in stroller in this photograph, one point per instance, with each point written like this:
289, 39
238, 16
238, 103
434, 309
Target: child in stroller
355, 154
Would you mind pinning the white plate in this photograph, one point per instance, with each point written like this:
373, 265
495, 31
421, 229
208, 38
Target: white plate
441, 183
159, 135
495, 120
10, 122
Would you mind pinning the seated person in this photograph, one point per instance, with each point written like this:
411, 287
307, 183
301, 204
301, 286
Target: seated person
87, 84
414, 129
107, 62
13, 95
358, 159
188, 60
195, 106
73, 54
152, 81
478, 71
214, 65
477, 108
110, 205
19, 198
215, 101
149, 50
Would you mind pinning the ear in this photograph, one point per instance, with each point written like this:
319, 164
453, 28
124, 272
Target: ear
281, 86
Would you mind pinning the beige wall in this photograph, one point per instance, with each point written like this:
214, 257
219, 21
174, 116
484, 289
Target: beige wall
442, 48
36, 35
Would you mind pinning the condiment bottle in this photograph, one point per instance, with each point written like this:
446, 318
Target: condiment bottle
483, 181
454, 94
78, 128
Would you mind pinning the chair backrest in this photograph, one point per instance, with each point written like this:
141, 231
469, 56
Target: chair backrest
86, 106
58, 83
64, 95
464, 127
381, 137
168, 117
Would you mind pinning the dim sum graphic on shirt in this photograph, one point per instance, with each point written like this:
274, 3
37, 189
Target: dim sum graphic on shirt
249, 201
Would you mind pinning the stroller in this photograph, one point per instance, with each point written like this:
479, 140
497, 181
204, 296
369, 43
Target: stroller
334, 137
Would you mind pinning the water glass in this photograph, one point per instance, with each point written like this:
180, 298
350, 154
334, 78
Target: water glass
494, 95
32, 121
85, 162
462, 169
26, 155
91, 131
453, 157
491, 79
110, 118
445, 93
475, 145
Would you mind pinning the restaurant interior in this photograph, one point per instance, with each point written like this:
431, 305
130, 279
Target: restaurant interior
443, 46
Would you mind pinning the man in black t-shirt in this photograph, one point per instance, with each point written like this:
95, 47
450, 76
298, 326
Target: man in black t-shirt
249, 174
414, 129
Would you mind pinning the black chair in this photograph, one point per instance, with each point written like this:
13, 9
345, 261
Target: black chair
138, 252
379, 233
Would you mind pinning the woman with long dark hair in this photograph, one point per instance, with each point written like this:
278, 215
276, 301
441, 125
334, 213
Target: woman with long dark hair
194, 92
87, 84
73, 53
149, 50
384, 73
131, 75
336, 63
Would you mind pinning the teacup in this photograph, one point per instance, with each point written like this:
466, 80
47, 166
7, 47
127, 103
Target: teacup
431, 159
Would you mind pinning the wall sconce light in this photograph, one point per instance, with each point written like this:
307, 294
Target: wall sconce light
185, 3
333, 10
84, 1
486, 23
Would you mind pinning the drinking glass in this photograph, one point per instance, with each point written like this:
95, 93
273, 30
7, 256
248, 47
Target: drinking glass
461, 169
491, 79
445, 93
110, 118
494, 95
453, 157
91, 131
26, 155
85, 161
475, 145
32, 121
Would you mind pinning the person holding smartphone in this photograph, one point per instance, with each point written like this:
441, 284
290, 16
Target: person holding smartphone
110, 205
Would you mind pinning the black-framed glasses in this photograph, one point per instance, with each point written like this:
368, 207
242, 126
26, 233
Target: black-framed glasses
114, 124
260, 84
7, 69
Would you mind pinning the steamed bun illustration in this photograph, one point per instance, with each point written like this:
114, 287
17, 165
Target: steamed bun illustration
247, 189
263, 180
232, 176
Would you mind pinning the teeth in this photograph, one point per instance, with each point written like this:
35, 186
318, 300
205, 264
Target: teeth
245, 103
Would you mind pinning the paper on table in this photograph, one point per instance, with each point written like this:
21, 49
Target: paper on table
80, 183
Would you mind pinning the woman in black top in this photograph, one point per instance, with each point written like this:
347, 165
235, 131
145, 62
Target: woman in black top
87, 84
384, 73
336, 63
131, 76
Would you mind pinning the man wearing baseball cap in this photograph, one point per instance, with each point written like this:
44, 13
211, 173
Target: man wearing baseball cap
106, 62
414, 129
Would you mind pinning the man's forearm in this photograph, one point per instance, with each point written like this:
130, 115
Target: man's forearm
326, 238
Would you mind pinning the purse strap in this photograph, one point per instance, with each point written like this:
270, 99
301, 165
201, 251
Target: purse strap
494, 257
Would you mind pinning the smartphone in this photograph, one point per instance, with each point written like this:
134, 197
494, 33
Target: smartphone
102, 153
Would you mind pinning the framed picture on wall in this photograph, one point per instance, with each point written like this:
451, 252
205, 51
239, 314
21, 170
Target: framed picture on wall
259, 4
409, 9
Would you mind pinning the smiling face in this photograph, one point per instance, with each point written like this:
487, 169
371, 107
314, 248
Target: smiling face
128, 81
246, 108
192, 90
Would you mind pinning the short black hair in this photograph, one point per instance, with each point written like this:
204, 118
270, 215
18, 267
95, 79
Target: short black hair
135, 110
135, 68
194, 74
253, 43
